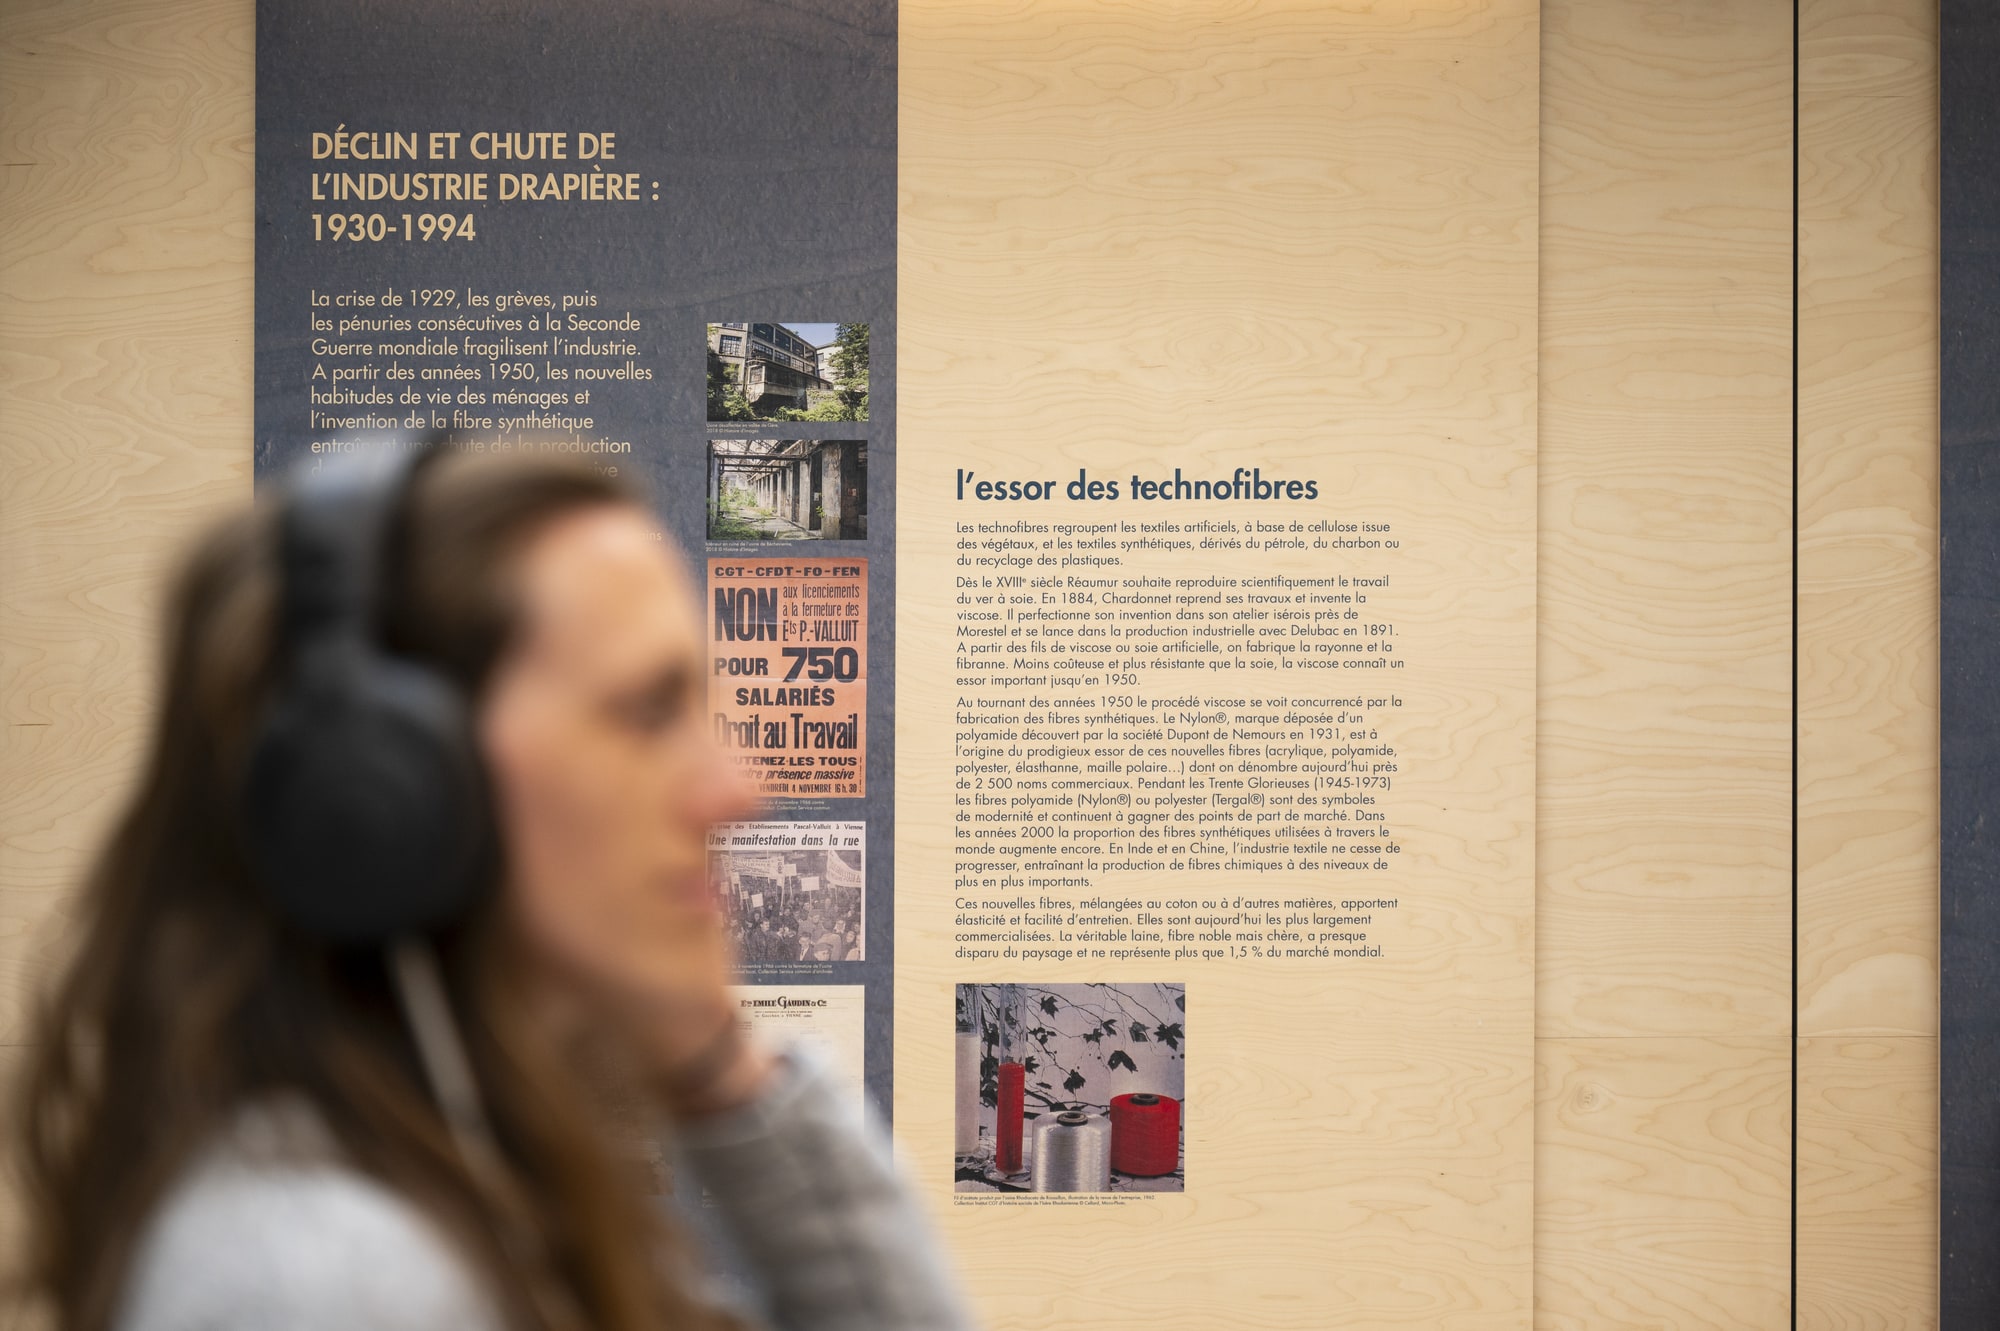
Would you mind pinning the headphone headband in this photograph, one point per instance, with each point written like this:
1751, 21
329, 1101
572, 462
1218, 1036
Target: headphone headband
332, 532
366, 806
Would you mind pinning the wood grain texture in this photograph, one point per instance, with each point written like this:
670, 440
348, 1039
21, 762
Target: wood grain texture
1068, 165
1665, 597
125, 393
1868, 1184
1662, 1183
1663, 1134
1868, 661
1868, 519
1298, 236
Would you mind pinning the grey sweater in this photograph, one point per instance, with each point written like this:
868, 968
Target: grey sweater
268, 1229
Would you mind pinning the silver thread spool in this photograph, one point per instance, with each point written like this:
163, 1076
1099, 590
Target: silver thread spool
1073, 1154
965, 1136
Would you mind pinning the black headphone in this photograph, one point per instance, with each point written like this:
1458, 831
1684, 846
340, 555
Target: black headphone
366, 803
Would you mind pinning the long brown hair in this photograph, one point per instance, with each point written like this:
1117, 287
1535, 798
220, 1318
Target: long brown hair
188, 999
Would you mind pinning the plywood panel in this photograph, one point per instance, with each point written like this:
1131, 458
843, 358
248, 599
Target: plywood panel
1868, 534
1663, 1124
125, 228
1868, 1184
1665, 751
1142, 237
1662, 1183
1868, 661
125, 179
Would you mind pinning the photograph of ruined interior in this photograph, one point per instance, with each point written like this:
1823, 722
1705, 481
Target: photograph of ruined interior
787, 489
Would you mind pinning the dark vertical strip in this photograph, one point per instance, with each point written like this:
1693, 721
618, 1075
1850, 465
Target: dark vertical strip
1969, 621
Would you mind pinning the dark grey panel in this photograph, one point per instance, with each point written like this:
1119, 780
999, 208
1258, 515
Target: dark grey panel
1970, 329
771, 131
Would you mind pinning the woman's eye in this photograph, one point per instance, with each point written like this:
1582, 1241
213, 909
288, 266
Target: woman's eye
656, 708
646, 714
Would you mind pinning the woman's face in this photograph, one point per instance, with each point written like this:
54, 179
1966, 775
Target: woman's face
606, 774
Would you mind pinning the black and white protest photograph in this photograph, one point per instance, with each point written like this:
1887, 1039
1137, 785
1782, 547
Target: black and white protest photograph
793, 892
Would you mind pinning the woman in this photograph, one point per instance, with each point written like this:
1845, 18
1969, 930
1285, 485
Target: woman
249, 1105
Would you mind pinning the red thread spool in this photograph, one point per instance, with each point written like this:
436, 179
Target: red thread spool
1007, 1120
1145, 1134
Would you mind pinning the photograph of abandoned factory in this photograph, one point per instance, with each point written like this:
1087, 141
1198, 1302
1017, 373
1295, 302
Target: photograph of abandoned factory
787, 372
787, 489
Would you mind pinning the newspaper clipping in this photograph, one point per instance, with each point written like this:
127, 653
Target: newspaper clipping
793, 892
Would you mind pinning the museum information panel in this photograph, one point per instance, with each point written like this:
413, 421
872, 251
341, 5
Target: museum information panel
661, 243
1105, 440
1218, 517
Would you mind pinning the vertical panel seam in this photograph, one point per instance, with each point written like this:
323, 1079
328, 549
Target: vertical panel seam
1797, 64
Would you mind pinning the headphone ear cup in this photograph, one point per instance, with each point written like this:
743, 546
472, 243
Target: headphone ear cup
368, 814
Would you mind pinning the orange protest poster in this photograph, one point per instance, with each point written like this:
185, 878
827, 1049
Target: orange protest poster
789, 681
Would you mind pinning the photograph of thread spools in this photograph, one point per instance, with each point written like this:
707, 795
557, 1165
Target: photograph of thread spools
1070, 1088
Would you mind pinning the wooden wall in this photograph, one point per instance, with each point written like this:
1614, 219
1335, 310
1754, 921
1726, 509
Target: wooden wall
1868, 664
1668, 1038
1299, 236
1663, 1150
125, 215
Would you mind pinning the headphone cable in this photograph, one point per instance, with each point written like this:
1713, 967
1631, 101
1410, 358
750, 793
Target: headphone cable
419, 980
